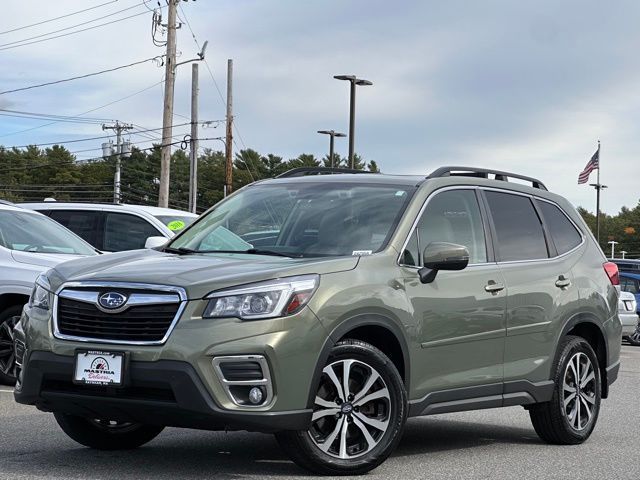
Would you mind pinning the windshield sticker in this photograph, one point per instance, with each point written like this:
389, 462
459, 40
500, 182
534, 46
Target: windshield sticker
176, 225
361, 253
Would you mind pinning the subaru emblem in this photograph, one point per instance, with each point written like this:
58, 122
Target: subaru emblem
112, 300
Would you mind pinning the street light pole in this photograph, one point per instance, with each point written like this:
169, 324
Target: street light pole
352, 110
332, 134
613, 248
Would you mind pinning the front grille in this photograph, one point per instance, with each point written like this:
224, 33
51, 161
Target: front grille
156, 394
241, 371
140, 323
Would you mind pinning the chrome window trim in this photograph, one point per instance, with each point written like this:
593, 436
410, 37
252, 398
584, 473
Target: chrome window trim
182, 295
500, 190
536, 197
417, 220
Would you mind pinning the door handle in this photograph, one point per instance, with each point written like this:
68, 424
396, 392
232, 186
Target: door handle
563, 282
493, 287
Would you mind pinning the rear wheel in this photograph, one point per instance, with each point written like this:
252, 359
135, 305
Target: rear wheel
104, 434
8, 320
571, 415
359, 413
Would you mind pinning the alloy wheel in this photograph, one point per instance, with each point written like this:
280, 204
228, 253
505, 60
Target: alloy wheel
7, 353
579, 391
352, 409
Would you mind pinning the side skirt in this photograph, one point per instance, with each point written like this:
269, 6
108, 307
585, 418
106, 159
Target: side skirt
508, 394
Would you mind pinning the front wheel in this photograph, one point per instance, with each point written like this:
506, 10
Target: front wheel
104, 434
571, 415
8, 320
359, 413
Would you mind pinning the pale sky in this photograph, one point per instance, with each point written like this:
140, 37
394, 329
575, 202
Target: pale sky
527, 87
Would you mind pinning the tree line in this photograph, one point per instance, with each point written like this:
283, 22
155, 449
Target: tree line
33, 174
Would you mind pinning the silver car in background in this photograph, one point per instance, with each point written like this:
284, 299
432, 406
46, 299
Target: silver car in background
629, 318
30, 243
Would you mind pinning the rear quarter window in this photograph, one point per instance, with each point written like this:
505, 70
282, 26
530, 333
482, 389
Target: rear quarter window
564, 234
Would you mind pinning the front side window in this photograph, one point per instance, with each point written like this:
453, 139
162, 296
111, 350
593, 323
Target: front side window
126, 232
564, 235
518, 227
30, 232
301, 220
452, 216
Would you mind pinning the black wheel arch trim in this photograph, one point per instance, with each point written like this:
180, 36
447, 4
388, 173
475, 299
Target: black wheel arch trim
350, 324
584, 317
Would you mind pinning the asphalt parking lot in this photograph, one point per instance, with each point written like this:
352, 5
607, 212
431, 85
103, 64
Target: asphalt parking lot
482, 444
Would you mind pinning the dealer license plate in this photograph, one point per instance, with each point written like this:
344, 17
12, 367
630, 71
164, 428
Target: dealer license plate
99, 368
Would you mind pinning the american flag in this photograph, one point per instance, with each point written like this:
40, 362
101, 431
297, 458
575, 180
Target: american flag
591, 166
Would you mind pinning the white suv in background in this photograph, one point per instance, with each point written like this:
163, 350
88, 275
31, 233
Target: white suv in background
115, 227
30, 243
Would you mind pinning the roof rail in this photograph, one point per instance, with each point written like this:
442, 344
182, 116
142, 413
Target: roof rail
303, 171
484, 173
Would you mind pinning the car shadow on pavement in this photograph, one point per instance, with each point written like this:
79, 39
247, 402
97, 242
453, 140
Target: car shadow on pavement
187, 454
433, 434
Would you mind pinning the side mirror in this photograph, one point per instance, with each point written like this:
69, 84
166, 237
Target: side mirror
155, 242
442, 256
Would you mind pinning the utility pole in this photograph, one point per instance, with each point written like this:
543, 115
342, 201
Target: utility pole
228, 171
167, 113
118, 128
193, 157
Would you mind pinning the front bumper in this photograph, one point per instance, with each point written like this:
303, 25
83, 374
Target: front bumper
165, 392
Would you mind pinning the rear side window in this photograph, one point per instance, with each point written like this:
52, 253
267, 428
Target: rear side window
85, 224
564, 235
126, 232
518, 227
629, 285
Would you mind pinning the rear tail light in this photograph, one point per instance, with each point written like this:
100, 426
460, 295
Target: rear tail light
612, 272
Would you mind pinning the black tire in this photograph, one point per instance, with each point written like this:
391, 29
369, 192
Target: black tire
8, 319
390, 410
553, 421
106, 435
635, 338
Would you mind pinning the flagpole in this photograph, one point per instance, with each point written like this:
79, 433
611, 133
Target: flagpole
598, 188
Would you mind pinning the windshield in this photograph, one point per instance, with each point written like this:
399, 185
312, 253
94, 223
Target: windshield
29, 232
176, 223
300, 220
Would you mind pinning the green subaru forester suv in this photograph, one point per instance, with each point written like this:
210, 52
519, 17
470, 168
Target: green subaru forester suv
329, 308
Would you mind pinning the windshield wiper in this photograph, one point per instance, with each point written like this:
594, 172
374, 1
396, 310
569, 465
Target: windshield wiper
251, 251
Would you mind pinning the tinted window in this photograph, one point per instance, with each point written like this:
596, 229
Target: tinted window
454, 216
126, 232
30, 232
85, 224
628, 285
564, 234
518, 228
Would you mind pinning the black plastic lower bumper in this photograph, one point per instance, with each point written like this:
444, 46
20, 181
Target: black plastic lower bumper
165, 392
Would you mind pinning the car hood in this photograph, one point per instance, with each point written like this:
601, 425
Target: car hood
42, 259
197, 274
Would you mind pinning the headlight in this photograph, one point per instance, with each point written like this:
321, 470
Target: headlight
276, 298
41, 295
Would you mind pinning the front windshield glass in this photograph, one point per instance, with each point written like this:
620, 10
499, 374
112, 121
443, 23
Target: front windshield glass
176, 223
301, 220
30, 232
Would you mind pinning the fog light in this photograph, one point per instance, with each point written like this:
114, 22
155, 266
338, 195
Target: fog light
255, 396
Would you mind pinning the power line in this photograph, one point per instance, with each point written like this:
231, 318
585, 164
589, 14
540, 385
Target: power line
73, 26
88, 111
57, 18
57, 118
60, 142
193, 35
82, 76
9, 47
